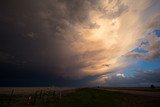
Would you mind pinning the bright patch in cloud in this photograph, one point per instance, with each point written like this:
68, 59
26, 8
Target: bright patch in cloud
120, 75
110, 36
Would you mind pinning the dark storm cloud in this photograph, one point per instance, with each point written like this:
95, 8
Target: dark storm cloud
40, 34
59, 19
60, 16
18, 20
6, 58
47, 36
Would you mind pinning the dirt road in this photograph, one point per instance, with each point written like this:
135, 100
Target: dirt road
145, 93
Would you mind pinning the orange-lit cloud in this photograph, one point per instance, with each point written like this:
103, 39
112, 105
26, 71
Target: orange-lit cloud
90, 37
114, 30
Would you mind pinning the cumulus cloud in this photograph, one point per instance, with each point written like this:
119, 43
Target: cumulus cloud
120, 75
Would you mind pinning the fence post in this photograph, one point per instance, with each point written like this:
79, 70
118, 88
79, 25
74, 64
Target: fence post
35, 98
60, 95
10, 98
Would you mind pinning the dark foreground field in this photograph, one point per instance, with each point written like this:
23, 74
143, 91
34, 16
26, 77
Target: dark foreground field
84, 97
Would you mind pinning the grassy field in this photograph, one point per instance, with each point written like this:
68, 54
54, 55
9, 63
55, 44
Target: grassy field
84, 97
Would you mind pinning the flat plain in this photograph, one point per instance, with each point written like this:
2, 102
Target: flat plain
79, 97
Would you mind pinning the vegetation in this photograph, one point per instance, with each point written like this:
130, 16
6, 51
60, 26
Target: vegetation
85, 97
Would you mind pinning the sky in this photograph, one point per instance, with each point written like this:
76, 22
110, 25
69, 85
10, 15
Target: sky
74, 43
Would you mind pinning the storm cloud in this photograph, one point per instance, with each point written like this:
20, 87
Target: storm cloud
76, 39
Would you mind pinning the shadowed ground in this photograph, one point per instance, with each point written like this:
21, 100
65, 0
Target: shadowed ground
84, 97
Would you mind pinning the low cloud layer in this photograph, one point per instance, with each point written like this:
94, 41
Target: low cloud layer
141, 78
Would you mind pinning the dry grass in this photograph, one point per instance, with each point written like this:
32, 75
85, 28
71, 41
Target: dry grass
85, 97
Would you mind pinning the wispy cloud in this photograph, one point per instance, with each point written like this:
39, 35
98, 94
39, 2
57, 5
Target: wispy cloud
151, 45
